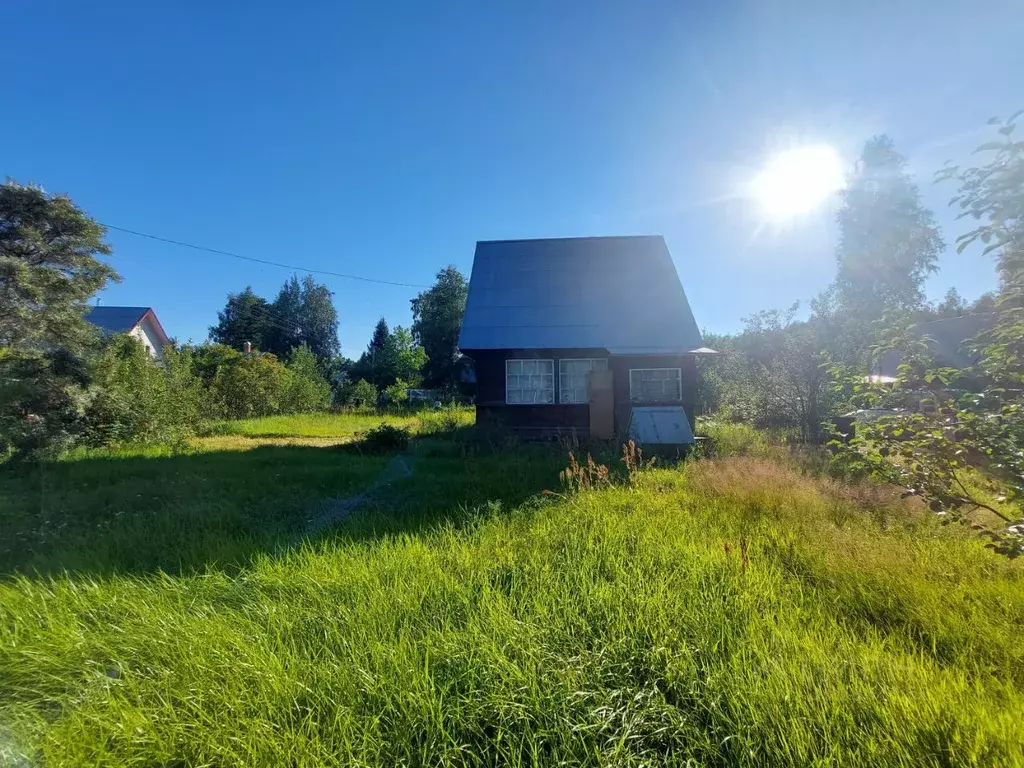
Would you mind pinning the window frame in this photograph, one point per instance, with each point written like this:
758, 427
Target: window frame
554, 377
633, 399
590, 360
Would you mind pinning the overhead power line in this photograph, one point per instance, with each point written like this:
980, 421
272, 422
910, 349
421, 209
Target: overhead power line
261, 261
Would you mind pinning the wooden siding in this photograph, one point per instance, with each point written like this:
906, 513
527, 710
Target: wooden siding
551, 419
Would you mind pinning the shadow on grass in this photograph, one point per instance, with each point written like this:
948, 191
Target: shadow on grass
175, 513
217, 510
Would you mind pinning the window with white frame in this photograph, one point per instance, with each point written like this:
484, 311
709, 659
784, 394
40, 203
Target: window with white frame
655, 385
529, 381
574, 378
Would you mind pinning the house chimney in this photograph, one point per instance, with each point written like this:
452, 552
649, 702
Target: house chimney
247, 348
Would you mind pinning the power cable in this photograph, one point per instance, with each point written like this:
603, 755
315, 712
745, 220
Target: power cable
261, 261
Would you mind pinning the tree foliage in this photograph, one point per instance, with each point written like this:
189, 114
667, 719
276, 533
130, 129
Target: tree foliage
134, 399
773, 374
305, 388
245, 317
49, 268
42, 399
302, 313
942, 424
437, 319
889, 242
390, 355
358, 393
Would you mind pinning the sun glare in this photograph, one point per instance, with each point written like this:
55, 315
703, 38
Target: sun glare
798, 181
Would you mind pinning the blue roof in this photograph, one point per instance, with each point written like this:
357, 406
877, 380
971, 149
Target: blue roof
115, 319
616, 293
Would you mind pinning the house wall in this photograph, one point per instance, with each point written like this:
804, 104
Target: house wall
551, 419
621, 365
146, 332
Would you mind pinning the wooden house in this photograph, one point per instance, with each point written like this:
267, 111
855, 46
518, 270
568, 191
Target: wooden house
139, 322
591, 336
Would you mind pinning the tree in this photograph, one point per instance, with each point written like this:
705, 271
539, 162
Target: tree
372, 365
782, 374
42, 399
888, 245
49, 268
437, 319
249, 386
358, 393
245, 317
952, 422
303, 313
319, 320
952, 305
404, 358
286, 330
379, 339
306, 389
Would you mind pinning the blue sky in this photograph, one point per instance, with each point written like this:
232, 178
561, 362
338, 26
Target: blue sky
384, 139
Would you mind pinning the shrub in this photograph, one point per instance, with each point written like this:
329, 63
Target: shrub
248, 386
385, 438
134, 399
357, 393
305, 388
396, 394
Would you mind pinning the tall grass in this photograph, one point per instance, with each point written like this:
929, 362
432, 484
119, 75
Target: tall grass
621, 626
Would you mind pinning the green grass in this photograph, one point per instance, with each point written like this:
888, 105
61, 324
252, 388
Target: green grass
106, 511
732, 612
310, 425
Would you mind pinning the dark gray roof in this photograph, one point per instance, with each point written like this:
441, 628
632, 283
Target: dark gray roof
616, 293
946, 340
115, 319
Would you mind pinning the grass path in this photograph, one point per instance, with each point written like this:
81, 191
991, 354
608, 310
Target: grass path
330, 512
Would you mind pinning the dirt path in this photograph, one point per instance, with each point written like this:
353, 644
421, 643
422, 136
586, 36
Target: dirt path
332, 511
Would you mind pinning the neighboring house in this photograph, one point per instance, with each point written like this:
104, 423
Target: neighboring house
592, 336
947, 340
140, 322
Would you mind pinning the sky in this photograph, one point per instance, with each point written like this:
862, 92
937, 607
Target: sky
384, 139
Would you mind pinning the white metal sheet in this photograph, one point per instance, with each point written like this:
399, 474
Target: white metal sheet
660, 425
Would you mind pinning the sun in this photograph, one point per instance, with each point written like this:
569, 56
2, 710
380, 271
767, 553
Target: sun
797, 181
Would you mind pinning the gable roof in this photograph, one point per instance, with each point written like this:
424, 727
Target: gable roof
123, 319
116, 319
616, 293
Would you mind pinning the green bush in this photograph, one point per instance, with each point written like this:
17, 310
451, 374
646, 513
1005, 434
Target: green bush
396, 395
358, 393
249, 386
305, 388
135, 399
385, 438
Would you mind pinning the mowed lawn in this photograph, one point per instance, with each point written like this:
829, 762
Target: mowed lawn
729, 612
